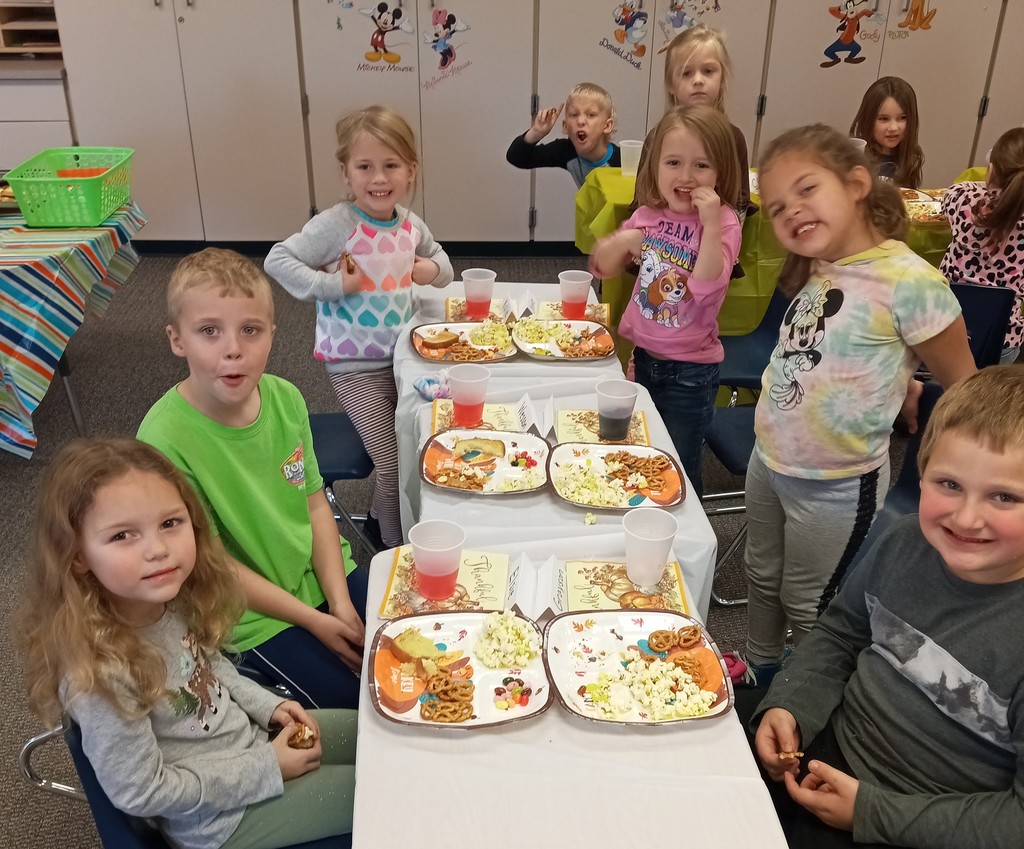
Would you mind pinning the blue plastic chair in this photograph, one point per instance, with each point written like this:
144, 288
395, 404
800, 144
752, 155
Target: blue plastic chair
731, 439
747, 356
986, 311
341, 457
117, 829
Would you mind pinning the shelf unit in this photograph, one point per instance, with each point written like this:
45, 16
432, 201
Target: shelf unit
28, 28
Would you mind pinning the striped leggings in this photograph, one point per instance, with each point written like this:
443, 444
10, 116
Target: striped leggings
370, 399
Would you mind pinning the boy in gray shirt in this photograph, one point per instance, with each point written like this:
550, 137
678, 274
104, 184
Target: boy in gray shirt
907, 697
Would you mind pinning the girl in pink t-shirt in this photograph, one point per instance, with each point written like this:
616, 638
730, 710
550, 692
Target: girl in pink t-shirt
685, 238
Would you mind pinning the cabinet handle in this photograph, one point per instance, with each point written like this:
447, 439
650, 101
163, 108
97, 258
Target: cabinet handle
157, 3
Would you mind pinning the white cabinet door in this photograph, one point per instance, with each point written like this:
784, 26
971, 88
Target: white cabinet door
941, 49
581, 41
470, 110
124, 78
339, 78
241, 71
799, 90
744, 25
1005, 105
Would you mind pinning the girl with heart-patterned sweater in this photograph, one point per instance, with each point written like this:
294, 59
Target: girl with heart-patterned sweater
359, 261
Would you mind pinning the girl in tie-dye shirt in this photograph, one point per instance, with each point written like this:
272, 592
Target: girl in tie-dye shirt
865, 312
359, 261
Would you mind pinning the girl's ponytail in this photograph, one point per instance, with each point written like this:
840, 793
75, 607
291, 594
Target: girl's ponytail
1008, 175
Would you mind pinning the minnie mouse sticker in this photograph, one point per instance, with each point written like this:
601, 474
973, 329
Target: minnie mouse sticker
444, 24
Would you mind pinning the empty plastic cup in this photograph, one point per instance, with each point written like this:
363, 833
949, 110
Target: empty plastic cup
575, 288
630, 156
615, 402
649, 533
860, 144
479, 286
468, 383
436, 556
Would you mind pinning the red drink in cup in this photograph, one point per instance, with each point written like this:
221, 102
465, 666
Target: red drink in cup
437, 587
467, 415
478, 309
574, 309
575, 288
437, 554
468, 383
479, 286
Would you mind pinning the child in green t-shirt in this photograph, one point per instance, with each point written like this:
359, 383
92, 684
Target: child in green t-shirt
242, 438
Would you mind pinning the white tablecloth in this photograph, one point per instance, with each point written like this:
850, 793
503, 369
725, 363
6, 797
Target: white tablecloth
542, 515
553, 781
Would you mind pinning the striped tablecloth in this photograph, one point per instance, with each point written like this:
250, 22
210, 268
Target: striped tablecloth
49, 281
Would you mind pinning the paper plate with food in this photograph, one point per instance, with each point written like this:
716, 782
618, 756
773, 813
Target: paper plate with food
458, 670
636, 668
615, 476
463, 342
562, 340
488, 462
925, 212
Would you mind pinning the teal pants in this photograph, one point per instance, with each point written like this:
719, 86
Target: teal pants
315, 805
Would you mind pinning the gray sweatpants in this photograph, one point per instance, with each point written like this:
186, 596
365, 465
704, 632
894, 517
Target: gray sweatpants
315, 805
802, 535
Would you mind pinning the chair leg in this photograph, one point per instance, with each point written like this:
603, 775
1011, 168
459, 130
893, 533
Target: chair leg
720, 563
341, 515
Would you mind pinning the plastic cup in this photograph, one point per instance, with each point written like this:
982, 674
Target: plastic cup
479, 285
436, 555
649, 535
630, 156
468, 383
575, 286
860, 144
615, 402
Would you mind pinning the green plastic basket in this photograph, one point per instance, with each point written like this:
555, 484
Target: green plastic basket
48, 199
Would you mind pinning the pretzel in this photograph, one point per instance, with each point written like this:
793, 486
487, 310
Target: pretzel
438, 682
660, 641
785, 755
689, 636
652, 468
463, 352
446, 712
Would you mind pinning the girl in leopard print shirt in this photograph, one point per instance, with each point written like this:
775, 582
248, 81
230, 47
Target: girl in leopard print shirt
988, 230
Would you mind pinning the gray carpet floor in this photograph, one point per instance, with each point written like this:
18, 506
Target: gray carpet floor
120, 366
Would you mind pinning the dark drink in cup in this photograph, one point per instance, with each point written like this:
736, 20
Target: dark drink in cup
613, 428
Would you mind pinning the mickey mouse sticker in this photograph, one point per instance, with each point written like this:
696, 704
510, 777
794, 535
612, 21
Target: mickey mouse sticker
386, 20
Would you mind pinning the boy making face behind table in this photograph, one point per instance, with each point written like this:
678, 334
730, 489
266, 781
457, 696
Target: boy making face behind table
242, 438
907, 697
588, 124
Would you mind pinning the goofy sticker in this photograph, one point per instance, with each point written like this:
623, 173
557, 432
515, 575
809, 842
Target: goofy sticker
803, 329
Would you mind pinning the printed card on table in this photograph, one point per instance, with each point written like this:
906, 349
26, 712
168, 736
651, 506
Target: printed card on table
455, 309
553, 310
603, 585
481, 585
583, 426
519, 416
489, 581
